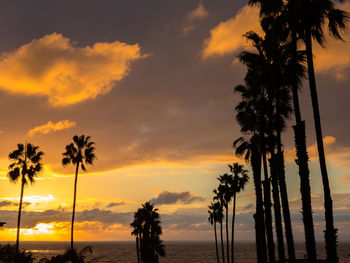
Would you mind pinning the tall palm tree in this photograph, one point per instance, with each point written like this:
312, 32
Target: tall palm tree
146, 221
252, 117
25, 166
81, 151
248, 149
287, 14
270, 67
240, 179
315, 14
213, 219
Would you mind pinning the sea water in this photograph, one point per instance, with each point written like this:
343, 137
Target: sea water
177, 251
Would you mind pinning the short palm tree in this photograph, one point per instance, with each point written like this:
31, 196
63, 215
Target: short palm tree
81, 151
147, 227
213, 219
25, 166
240, 179
224, 191
219, 198
137, 225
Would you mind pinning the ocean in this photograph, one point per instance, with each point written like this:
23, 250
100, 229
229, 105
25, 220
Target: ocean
177, 251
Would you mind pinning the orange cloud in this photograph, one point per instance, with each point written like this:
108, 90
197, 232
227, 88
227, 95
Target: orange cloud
227, 37
336, 56
195, 15
55, 67
51, 127
290, 155
199, 13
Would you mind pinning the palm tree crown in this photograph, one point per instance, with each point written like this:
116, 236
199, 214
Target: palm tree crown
79, 151
25, 163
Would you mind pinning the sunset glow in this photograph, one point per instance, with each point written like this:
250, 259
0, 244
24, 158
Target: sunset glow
154, 90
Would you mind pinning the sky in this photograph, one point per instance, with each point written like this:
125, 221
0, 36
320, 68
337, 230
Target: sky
152, 83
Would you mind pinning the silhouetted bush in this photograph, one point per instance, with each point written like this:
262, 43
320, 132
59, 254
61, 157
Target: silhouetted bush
8, 254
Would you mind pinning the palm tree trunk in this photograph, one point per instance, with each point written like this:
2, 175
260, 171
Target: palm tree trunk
285, 208
277, 208
74, 202
137, 249
222, 244
302, 162
284, 197
268, 215
331, 232
141, 247
19, 219
216, 244
259, 215
227, 240
233, 226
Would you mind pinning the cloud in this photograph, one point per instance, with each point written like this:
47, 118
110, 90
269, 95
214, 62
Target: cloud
32, 218
7, 203
51, 127
227, 37
55, 67
194, 16
114, 204
290, 155
335, 58
167, 198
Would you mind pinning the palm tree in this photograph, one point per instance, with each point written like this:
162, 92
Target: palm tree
270, 67
249, 150
252, 115
80, 151
137, 225
286, 19
240, 179
25, 166
314, 16
213, 219
227, 194
147, 226
219, 198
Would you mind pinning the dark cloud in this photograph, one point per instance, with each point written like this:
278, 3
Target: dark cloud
247, 207
30, 219
114, 204
11, 203
167, 198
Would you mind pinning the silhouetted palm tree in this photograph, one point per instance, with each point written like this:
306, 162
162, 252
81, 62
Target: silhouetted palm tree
239, 180
252, 115
314, 16
25, 166
137, 225
80, 151
146, 221
213, 219
248, 148
219, 198
225, 190
269, 68
285, 26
